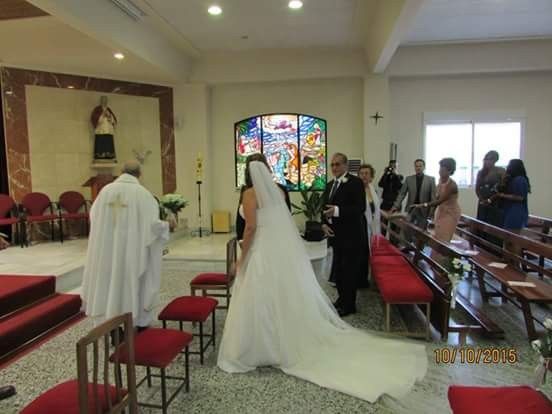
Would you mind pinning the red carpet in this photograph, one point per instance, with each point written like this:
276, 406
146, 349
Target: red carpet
29, 308
19, 291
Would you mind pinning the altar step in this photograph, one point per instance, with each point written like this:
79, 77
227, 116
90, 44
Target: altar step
30, 309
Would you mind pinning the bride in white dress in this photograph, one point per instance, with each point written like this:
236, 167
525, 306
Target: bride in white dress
279, 315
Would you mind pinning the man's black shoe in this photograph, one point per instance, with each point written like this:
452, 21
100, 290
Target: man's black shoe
7, 391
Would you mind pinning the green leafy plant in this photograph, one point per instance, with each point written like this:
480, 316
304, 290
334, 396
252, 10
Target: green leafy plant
311, 205
173, 202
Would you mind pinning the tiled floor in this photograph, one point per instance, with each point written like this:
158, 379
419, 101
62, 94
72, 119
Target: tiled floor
268, 390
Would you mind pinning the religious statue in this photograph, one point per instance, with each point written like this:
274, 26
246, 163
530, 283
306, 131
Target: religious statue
104, 122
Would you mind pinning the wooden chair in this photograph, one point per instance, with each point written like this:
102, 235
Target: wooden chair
209, 282
84, 397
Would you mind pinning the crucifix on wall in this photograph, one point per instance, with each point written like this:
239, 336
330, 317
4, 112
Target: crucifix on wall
376, 117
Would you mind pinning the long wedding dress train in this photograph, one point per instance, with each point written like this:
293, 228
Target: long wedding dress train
280, 316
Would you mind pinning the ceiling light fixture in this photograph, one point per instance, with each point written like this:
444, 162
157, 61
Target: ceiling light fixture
295, 4
70, 87
214, 10
118, 56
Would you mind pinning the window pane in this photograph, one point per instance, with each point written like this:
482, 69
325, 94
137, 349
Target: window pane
503, 137
280, 148
449, 140
248, 141
312, 144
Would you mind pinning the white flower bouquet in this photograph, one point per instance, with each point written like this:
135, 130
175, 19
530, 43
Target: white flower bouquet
544, 347
455, 272
173, 202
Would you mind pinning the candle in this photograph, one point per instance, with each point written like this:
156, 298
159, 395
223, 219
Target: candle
199, 167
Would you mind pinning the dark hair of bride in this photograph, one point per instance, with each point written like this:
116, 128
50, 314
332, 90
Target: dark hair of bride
253, 157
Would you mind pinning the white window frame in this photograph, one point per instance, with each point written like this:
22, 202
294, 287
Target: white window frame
443, 118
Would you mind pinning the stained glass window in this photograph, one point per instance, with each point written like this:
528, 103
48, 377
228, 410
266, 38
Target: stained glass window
294, 145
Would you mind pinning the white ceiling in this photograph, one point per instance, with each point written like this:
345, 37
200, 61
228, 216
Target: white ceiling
48, 44
269, 24
480, 20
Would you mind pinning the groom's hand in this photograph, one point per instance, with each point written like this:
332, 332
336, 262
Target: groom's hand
327, 230
329, 211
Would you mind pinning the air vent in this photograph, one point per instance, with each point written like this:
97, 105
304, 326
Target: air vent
130, 9
354, 165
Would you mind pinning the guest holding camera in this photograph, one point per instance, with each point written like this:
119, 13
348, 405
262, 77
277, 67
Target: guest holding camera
391, 183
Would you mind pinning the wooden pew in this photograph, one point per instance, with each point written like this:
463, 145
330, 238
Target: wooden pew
540, 224
521, 296
436, 278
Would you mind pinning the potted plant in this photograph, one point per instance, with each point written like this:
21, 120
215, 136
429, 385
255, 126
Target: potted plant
311, 206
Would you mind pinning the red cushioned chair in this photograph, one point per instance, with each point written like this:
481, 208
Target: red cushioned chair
497, 400
38, 208
208, 283
9, 216
72, 206
195, 309
158, 348
84, 397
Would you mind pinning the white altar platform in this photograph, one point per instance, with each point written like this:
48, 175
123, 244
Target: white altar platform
66, 260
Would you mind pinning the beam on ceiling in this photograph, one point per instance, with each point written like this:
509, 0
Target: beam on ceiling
383, 24
106, 23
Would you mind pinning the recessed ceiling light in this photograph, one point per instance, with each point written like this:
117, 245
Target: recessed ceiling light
214, 10
70, 87
295, 4
9, 92
118, 56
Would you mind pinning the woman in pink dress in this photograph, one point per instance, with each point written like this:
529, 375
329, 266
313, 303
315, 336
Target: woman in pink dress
448, 210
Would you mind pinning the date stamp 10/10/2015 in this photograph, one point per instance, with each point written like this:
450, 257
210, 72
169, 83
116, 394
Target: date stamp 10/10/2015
467, 355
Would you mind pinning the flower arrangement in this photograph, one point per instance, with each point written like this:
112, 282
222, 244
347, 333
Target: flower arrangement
455, 271
173, 203
544, 347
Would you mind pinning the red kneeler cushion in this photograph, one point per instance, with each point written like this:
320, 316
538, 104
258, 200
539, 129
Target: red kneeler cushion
210, 279
155, 347
388, 261
497, 400
189, 308
380, 246
64, 399
402, 285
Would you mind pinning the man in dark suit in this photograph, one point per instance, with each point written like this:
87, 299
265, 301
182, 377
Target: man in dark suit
343, 222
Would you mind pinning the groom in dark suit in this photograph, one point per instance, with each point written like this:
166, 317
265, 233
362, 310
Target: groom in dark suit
342, 220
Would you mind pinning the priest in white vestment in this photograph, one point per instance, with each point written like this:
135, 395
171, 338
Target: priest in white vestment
123, 264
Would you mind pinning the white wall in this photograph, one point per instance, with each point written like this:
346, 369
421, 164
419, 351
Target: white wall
339, 101
524, 93
192, 120
61, 137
